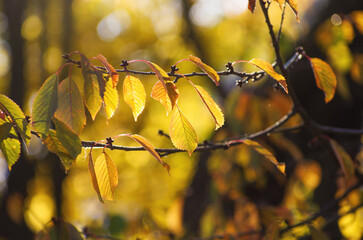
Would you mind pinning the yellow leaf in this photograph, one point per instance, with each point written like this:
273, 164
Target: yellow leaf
167, 97
182, 133
107, 176
110, 100
160, 73
211, 105
251, 5
134, 95
148, 147
92, 173
267, 67
293, 5
266, 153
111, 71
345, 161
205, 68
280, 2
324, 77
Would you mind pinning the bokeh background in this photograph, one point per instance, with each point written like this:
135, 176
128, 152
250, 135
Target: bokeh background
207, 193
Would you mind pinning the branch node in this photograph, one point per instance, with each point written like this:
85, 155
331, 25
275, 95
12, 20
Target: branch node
229, 67
109, 143
124, 64
173, 70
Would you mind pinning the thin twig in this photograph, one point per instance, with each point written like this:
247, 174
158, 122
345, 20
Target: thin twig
281, 23
337, 130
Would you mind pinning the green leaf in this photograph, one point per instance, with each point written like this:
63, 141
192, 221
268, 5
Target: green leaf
68, 138
324, 77
107, 176
182, 133
9, 143
70, 106
205, 68
17, 117
92, 173
134, 95
45, 104
110, 100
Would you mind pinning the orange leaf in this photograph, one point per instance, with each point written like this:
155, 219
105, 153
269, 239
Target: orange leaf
107, 176
293, 5
134, 95
324, 77
205, 68
168, 97
267, 67
211, 105
111, 71
91, 170
148, 147
251, 5
182, 133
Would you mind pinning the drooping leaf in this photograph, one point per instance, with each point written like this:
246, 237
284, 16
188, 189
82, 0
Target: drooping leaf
182, 133
280, 2
251, 5
17, 117
293, 5
134, 95
148, 147
159, 72
59, 230
91, 73
110, 100
45, 104
70, 109
211, 105
324, 77
345, 161
266, 153
92, 173
267, 67
167, 97
9, 142
205, 68
107, 176
111, 71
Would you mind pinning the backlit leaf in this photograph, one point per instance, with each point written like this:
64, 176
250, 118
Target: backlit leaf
182, 133
45, 104
9, 143
205, 68
17, 117
168, 98
267, 67
324, 77
266, 153
111, 71
92, 173
211, 105
134, 95
280, 2
91, 73
107, 176
70, 106
110, 100
68, 138
148, 147
160, 73
293, 5
345, 161
251, 5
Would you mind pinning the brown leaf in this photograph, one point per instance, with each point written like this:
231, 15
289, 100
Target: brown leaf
251, 5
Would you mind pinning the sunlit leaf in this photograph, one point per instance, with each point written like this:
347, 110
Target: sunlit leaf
134, 95
251, 5
211, 105
70, 106
59, 230
110, 100
267, 67
160, 73
45, 104
92, 173
345, 161
159, 93
17, 117
90, 74
111, 71
293, 5
148, 147
324, 77
182, 133
280, 2
9, 143
205, 68
266, 153
107, 176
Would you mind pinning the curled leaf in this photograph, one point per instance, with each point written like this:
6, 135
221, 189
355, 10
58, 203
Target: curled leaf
324, 77
111, 71
167, 96
205, 68
134, 95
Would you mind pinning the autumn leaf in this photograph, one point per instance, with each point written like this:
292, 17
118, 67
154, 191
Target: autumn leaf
107, 176
159, 72
134, 95
211, 105
345, 161
9, 143
59, 230
267, 67
293, 5
324, 77
110, 100
251, 5
280, 2
205, 68
182, 133
168, 98
70, 106
92, 172
45, 104
148, 147
111, 71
